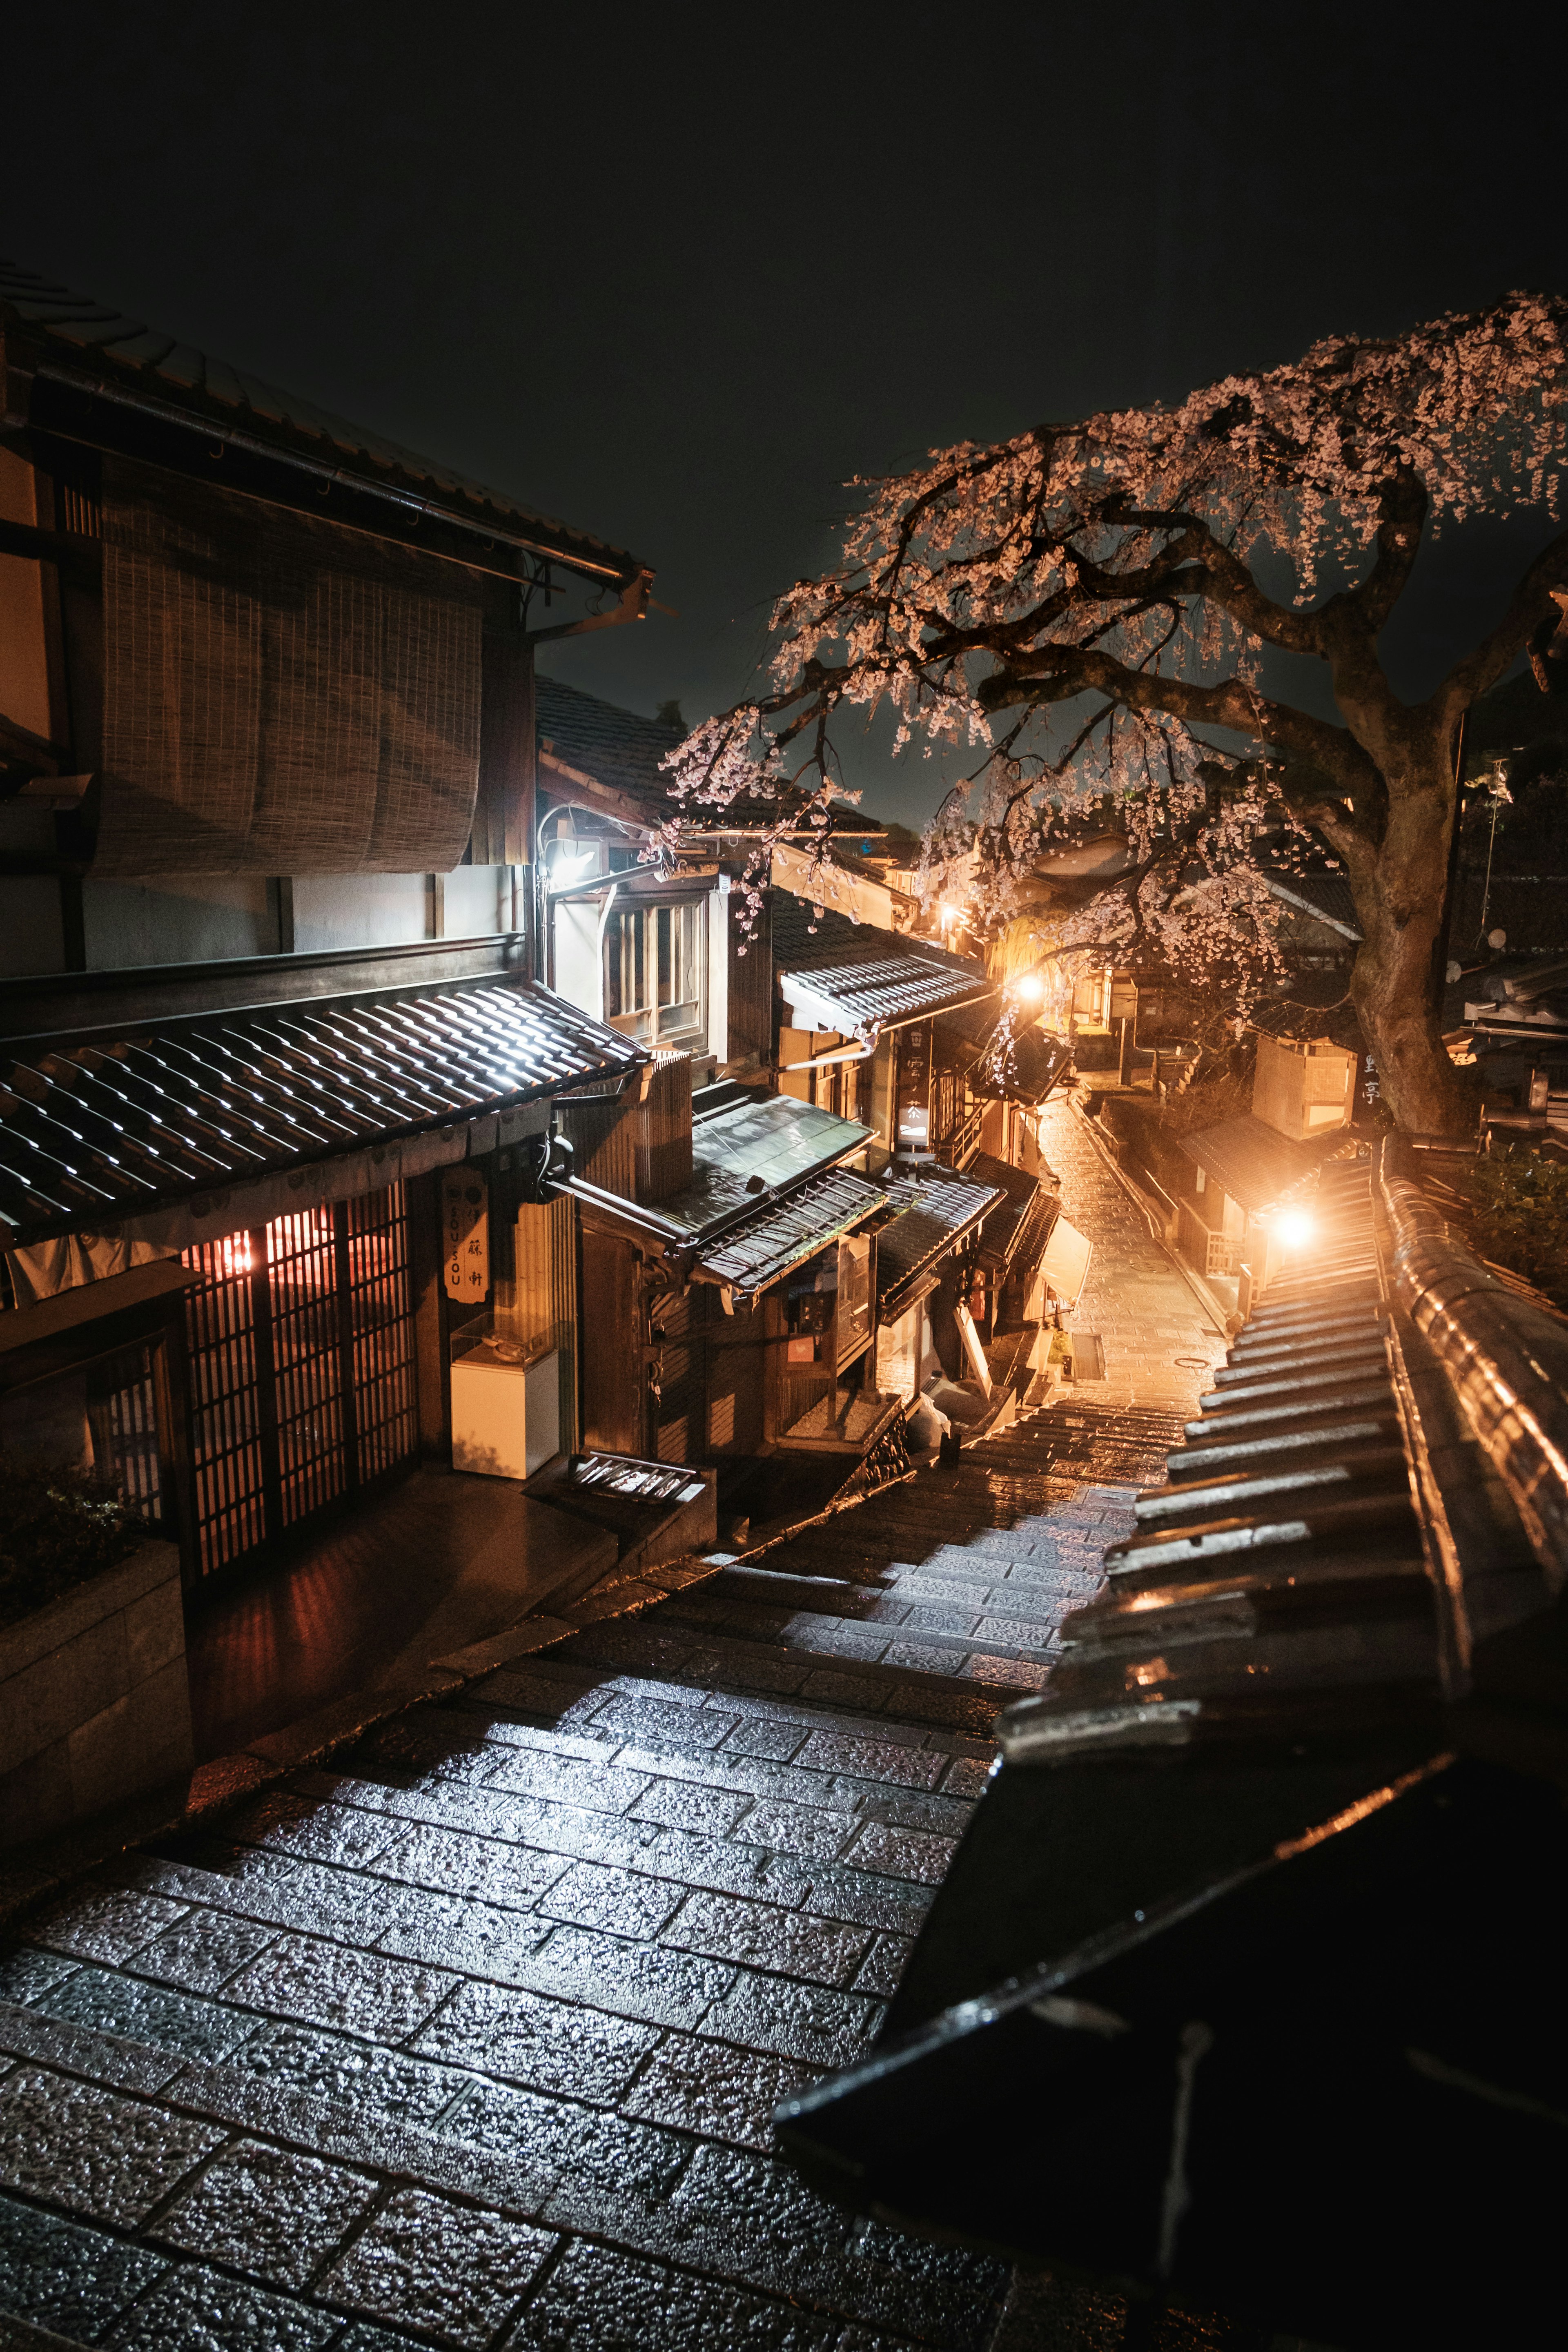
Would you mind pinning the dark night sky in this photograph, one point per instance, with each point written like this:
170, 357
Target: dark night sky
674, 275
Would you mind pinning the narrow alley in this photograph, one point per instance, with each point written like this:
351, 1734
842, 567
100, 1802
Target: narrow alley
473, 2039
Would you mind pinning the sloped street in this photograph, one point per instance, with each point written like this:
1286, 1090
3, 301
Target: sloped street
473, 2039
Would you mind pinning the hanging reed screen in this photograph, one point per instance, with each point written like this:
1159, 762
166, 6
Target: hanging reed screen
302, 1351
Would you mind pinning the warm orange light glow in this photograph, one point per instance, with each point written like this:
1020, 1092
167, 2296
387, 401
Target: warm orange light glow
1295, 1229
1031, 988
237, 1257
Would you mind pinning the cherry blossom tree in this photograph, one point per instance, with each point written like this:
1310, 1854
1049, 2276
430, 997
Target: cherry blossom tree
1093, 604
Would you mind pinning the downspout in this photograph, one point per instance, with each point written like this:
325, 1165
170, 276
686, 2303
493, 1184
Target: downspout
599, 957
860, 1053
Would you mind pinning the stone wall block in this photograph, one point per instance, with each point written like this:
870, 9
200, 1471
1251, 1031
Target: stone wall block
94, 1704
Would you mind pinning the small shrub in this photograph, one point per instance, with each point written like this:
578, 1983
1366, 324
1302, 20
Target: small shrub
58, 1527
1521, 1216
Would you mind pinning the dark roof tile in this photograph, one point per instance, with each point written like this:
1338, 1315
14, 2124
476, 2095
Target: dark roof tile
78, 335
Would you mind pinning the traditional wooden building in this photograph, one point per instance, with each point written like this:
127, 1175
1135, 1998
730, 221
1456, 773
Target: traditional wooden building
276, 1063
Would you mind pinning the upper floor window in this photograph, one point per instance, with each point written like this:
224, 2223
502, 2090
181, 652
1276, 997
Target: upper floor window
656, 972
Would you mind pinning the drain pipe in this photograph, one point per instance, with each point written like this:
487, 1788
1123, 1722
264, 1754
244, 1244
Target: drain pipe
860, 1053
604, 919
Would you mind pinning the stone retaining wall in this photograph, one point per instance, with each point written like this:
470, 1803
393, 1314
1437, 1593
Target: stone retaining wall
94, 1706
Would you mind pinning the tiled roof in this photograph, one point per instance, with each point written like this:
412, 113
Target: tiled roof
756, 1253
1032, 1065
804, 939
933, 1216
855, 977
1004, 1225
624, 753
859, 997
1325, 897
1258, 1167
94, 343
94, 1132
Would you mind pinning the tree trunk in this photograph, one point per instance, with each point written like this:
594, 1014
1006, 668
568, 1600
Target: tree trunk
1401, 892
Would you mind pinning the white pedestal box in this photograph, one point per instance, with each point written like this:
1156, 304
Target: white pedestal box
506, 1418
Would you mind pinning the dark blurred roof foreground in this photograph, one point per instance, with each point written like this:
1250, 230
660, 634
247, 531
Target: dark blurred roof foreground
49, 327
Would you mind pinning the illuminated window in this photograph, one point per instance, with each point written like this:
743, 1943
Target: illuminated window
654, 971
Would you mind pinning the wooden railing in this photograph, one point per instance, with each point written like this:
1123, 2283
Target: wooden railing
1211, 1253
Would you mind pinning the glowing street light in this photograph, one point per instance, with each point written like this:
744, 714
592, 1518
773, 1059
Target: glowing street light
1031, 989
1295, 1229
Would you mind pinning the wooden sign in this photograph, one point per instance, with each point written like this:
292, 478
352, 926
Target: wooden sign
466, 1236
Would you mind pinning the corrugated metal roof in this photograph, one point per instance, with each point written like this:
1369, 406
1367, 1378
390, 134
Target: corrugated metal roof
760, 1147
1254, 1164
107, 1127
758, 1252
95, 342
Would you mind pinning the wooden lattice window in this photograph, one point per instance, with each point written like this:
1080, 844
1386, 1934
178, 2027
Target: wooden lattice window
301, 1368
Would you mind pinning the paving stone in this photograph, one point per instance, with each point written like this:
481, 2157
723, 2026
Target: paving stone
966, 1776
347, 1991
262, 2209
446, 2269
67, 2278
616, 1900
106, 2059
202, 2311
763, 1937
112, 2003
285, 1822
549, 2046
810, 2023
92, 2151
595, 2299
714, 2090
458, 1862
94, 1926
634, 1980
619, 2177
683, 1805
567, 1781
902, 1853
873, 1759
883, 1965
868, 1901
202, 1951
772, 1738
814, 1834
360, 2074
24, 1974
641, 1718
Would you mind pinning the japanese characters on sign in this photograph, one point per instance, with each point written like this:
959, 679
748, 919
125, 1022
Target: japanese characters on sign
466, 1236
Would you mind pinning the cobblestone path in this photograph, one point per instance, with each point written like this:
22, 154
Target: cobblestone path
473, 2040
1159, 1343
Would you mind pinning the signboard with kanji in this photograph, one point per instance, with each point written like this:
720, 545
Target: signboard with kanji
466, 1236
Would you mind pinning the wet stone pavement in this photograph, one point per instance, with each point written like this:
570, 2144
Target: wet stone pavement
474, 2039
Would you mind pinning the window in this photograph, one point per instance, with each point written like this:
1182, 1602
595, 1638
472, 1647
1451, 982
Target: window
655, 972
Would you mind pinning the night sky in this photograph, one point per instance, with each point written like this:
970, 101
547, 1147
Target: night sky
674, 275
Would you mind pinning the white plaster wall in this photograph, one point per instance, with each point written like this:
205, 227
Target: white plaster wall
479, 902
177, 919
357, 910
